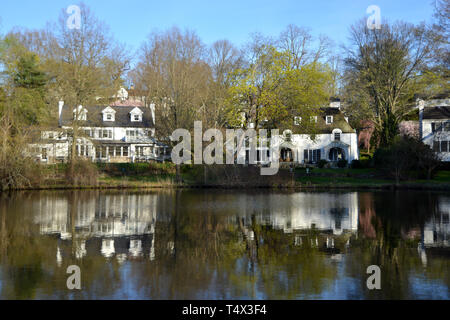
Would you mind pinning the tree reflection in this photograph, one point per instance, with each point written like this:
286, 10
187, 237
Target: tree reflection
211, 244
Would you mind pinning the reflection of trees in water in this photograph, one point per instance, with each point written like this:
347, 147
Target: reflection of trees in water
387, 220
202, 251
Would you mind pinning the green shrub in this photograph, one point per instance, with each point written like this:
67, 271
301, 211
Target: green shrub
342, 163
406, 158
356, 164
322, 163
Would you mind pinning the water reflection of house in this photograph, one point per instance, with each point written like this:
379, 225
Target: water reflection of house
112, 224
331, 217
327, 212
437, 229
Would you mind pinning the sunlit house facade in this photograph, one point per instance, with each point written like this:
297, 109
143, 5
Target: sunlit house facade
333, 140
116, 133
434, 117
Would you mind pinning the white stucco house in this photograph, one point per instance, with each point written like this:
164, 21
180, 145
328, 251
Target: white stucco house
434, 125
333, 140
116, 133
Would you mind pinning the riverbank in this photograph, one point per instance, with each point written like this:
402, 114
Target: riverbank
156, 176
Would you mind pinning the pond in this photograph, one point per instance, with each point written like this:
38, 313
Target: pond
224, 244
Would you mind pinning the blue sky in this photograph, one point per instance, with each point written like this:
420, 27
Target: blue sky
132, 20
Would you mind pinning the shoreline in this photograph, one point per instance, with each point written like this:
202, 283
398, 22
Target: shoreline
297, 186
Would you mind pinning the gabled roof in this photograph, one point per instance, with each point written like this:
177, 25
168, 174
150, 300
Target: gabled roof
122, 117
339, 121
136, 110
108, 110
438, 112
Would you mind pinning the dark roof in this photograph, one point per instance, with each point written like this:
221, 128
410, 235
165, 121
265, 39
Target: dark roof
339, 121
438, 112
122, 117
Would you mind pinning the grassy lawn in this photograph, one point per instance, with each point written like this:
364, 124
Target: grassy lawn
338, 171
361, 177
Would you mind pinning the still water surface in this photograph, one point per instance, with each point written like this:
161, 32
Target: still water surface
216, 244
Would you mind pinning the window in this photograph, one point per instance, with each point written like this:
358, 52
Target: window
132, 133
137, 117
444, 146
139, 151
440, 126
297, 120
447, 126
313, 119
109, 117
50, 135
87, 133
337, 136
312, 156
316, 155
329, 119
125, 151
44, 153
111, 151
436, 146
106, 134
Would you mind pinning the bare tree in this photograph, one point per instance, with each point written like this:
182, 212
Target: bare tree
224, 59
302, 46
175, 76
86, 66
384, 71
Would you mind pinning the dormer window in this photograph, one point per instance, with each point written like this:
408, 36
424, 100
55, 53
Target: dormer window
136, 115
109, 114
329, 119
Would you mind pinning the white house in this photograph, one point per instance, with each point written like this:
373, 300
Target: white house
434, 125
116, 133
333, 140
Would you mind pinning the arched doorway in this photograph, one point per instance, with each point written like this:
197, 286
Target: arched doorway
336, 154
